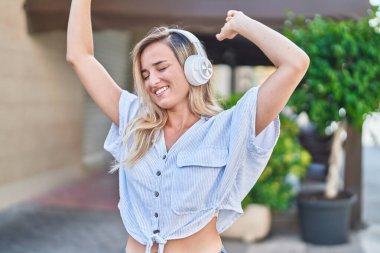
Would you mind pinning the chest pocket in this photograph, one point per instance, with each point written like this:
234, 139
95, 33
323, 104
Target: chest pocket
196, 179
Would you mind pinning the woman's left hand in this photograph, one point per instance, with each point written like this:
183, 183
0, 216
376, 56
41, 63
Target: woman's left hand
227, 31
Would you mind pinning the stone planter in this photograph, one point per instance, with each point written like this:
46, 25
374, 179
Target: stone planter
252, 226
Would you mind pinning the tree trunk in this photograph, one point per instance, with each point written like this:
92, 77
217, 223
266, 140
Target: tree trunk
353, 173
332, 180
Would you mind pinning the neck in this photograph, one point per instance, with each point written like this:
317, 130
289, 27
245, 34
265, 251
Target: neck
181, 120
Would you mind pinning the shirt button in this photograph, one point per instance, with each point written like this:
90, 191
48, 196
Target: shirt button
164, 157
158, 173
156, 231
156, 194
156, 215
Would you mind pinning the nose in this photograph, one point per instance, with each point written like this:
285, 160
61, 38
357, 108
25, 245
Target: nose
153, 79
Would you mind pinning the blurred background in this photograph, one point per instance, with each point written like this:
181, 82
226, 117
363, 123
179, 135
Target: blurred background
55, 192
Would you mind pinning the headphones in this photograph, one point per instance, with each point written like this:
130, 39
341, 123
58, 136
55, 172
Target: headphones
198, 68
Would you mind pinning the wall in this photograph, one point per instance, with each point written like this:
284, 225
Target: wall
41, 109
112, 50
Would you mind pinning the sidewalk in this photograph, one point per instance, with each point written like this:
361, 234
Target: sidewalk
82, 217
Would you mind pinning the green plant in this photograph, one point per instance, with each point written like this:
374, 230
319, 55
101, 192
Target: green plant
288, 158
343, 80
341, 84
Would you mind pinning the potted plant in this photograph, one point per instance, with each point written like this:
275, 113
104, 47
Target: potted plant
324, 216
341, 86
276, 188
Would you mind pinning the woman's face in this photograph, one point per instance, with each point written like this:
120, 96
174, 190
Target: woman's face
164, 78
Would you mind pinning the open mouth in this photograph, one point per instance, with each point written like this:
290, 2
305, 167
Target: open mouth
161, 90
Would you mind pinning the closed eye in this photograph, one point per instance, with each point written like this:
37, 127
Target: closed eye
147, 76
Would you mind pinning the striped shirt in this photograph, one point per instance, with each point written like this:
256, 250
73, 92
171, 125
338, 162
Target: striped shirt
209, 170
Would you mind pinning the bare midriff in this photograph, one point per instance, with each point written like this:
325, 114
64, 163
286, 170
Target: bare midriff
207, 240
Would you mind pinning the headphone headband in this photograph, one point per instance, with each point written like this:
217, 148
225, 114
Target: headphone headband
192, 38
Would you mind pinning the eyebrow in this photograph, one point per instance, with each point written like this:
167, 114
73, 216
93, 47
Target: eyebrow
154, 64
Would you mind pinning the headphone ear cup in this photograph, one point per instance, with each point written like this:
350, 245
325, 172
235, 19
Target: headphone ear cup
198, 70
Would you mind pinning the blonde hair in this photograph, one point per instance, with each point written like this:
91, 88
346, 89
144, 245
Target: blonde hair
145, 129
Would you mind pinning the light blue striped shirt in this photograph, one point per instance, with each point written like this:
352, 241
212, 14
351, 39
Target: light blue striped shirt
210, 169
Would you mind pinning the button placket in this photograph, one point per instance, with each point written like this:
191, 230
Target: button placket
155, 220
157, 195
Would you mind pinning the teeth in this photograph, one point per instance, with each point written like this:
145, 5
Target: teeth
159, 91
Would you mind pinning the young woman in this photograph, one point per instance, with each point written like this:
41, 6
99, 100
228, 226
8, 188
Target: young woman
184, 164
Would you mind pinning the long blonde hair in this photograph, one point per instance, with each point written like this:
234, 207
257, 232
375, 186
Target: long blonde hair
145, 128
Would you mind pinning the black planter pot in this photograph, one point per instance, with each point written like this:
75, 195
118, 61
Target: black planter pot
325, 221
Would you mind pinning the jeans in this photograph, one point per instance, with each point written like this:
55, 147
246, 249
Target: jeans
223, 250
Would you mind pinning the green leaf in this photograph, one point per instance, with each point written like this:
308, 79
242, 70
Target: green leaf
344, 69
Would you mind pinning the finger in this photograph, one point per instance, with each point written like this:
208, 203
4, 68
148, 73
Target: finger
228, 19
219, 37
231, 13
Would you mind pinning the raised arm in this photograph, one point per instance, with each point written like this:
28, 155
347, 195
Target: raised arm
290, 60
80, 54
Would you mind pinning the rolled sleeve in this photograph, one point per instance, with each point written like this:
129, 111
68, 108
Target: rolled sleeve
246, 110
264, 142
128, 108
248, 153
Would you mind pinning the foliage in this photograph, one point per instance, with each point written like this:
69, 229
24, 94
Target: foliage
230, 101
343, 80
374, 22
288, 158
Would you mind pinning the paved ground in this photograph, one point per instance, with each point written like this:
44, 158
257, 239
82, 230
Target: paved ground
40, 229
82, 217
